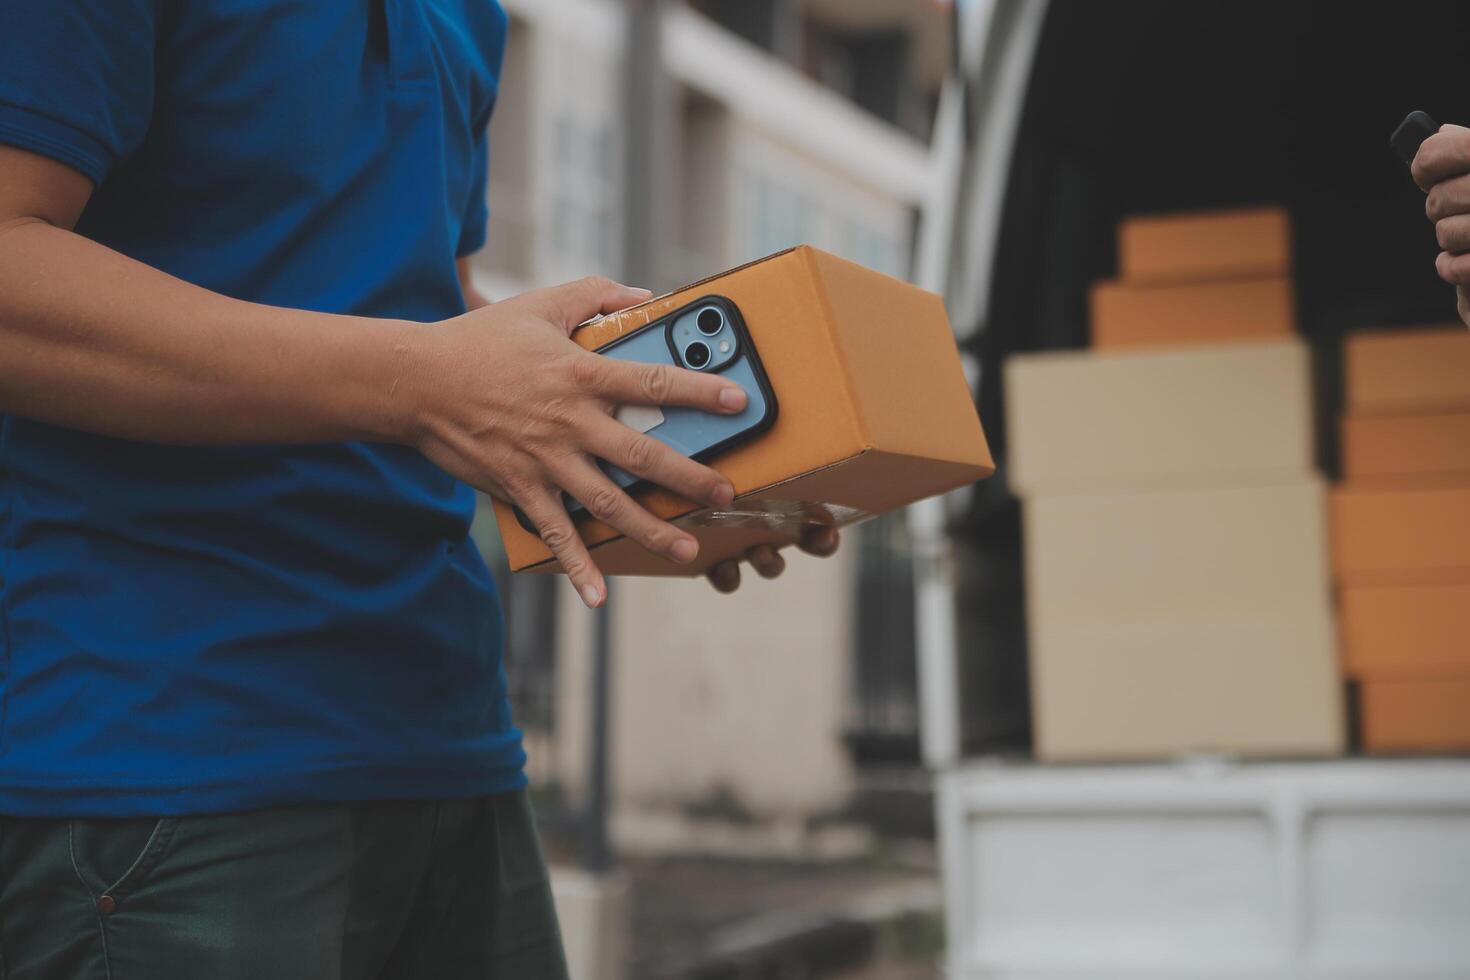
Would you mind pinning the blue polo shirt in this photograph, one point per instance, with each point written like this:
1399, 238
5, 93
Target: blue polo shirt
187, 630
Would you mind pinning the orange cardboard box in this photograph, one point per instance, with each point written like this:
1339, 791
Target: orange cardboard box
1129, 316
1401, 535
1405, 632
1196, 246
1405, 445
1419, 371
875, 412
1431, 715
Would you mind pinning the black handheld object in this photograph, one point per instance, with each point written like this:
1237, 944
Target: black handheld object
1415, 129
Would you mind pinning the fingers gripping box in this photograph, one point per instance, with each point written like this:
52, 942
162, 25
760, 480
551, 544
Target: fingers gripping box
875, 413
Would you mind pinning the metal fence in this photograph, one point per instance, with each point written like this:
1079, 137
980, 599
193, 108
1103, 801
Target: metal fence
883, 714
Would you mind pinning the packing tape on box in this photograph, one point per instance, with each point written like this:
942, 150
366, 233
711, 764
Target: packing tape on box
783, 516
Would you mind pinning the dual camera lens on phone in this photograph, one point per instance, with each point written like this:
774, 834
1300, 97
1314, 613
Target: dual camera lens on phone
710, 322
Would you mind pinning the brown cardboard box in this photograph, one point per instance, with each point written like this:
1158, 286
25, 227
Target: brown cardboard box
1418, 371
1084, 421
1128, 316
1405, 445
1246, 554
875, 412
1405, 535
1431, 715
1405, 632
1247, 244
1164, 689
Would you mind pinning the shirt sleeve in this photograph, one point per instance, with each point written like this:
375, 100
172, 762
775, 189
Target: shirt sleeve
76, 79
477, 212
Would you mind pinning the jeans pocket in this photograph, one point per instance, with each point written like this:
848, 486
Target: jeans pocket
112, 857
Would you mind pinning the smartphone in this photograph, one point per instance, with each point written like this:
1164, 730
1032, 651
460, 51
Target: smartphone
709, 336
1415, 129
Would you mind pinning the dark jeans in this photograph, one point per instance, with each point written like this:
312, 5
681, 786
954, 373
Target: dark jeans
423, 889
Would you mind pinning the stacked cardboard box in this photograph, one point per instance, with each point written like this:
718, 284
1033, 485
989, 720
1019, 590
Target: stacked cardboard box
1175, 526
1197, 278
1401, 537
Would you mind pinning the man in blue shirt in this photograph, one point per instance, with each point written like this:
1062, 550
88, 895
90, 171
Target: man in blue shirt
253, 716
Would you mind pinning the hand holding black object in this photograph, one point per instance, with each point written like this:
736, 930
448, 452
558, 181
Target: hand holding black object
1440, 165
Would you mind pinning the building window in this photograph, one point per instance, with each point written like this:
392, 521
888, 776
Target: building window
778, 215
773, 25
583, 192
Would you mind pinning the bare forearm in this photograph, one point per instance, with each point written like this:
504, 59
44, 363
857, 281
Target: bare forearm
93, 340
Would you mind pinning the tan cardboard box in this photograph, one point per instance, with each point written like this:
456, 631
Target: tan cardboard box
1264, 688
1419, 371
875, 412
1405, 445
1180, 621
1127, 316
1248, 554
1195, 246
1430, 715
1084, 421
1401, 535
1405, 632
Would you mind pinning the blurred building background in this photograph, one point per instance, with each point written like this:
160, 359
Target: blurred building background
781, 724
772, 796
786, 123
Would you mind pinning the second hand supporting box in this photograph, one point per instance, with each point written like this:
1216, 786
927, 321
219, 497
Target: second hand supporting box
875, 412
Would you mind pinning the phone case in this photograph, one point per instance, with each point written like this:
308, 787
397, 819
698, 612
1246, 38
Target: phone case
699, 435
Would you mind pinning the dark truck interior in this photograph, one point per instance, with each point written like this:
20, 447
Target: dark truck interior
1250, 102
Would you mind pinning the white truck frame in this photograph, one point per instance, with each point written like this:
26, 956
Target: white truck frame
1195, 869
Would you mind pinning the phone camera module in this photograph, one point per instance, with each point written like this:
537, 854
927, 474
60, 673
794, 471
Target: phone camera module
697, 355
710, 321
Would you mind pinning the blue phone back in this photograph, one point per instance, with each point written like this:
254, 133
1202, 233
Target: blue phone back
688, 430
